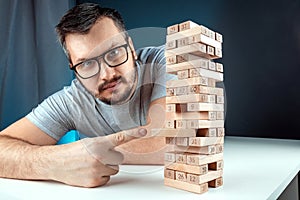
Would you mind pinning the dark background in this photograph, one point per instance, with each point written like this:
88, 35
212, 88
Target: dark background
261, 52
261, 56
32, 63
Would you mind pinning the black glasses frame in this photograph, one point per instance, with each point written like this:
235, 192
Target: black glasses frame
97, 58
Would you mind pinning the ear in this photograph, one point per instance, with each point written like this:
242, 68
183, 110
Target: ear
132, 48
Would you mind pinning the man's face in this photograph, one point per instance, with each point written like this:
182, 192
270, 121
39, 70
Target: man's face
112, 85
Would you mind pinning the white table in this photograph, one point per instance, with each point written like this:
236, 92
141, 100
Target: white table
253, 169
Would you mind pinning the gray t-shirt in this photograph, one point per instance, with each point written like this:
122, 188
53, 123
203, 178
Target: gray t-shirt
74, 108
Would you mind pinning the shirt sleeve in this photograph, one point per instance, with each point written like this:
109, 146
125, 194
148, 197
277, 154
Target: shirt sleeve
53, 116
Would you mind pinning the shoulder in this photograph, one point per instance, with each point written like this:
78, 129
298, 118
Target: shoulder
151, 54
70, 96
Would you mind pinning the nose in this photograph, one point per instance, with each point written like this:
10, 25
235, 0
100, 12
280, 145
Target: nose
106, 72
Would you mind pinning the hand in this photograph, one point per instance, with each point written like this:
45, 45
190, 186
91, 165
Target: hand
91, 161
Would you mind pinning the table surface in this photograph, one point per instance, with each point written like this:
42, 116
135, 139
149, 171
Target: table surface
254, 168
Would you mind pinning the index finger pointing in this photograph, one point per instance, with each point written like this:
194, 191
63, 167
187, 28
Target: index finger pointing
122, 137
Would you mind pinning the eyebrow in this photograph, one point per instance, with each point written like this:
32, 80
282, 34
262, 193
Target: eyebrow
112, 45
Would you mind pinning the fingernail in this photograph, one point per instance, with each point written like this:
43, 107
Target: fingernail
142, 132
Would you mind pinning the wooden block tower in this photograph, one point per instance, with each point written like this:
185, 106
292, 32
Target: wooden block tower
194, 108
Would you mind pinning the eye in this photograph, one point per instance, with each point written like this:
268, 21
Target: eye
113, 54
87, 65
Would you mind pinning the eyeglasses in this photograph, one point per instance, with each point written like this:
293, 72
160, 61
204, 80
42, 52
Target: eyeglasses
113, 58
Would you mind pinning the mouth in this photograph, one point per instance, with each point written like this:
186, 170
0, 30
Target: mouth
111, 86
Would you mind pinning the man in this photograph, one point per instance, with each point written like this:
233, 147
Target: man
118, 95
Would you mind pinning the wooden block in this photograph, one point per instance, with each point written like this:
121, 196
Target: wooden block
211, 82
180, 124
219, 67
199, 89
195, 35
171, 44
194, 159
205, 31
204, 150
195, 72
201, 62
198, 49
182, 141
171, 60
178, 108
205, 141
168, 132
220, 99
217, 91
220, 132
199, 189
168, 173
183, 65
207, 132
181, 158
219, 148
202, 169
216, 183
170, 140
205, 107
205, 98
198, 37
169, 124
170, 107
220, 115
183, 90
210, 50
218, 52
199, 179
219, 37
212, 65
182, 42
219, 165
187, 25
172, 29
211, 34
198, 124
212, 115
180, 176
170, 156
186, 82
193, 178
180, 59
205, 115
183, 74
170, 92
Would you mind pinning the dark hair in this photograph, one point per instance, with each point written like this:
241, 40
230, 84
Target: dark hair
82, 17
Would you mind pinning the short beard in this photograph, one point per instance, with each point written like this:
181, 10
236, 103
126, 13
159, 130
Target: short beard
116, 97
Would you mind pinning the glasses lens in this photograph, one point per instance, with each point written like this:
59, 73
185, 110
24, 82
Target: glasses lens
112, 58
88, 68
116, 56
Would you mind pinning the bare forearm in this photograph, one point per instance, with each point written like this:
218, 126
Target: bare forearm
151, 149
145, 151
86, 163
21, 160
71, 163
